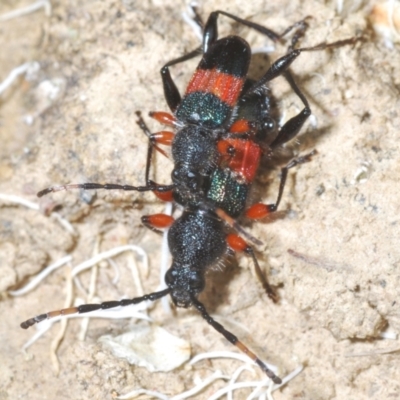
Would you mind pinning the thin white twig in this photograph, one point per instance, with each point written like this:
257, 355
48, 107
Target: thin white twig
137, 392
35, 206
235, 376
289, 377
80, 287
189, 393
44, 327
235, 386
91, 291
19, 200
135, 275
40, 276
15, 73
228, 354
188, 17
55, 343
19, 12
64, 223
117, 272
259, 389
108, 254
269, 393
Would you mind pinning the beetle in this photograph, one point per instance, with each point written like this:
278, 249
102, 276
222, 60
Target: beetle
210, 149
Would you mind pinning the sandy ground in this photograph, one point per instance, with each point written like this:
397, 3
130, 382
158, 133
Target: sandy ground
98, 63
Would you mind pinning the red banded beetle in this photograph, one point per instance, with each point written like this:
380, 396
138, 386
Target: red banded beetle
210, 140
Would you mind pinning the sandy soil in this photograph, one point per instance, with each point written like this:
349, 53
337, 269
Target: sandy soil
100, 61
